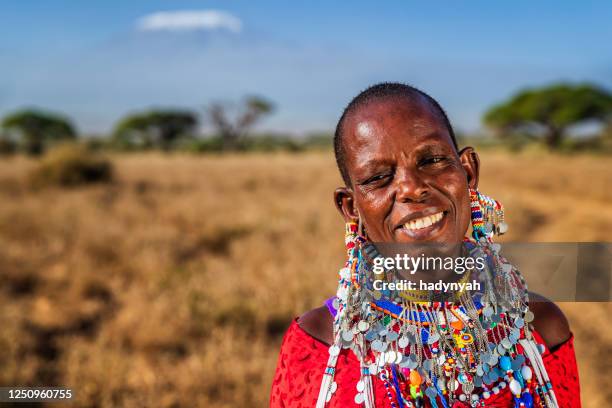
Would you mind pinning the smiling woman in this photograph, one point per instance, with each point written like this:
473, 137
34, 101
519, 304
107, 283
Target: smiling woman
407, 183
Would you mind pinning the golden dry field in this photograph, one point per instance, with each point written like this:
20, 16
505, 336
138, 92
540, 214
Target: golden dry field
173, 285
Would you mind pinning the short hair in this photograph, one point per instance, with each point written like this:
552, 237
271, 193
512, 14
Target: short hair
381, 91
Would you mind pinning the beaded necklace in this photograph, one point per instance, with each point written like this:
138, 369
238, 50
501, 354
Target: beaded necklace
446, 352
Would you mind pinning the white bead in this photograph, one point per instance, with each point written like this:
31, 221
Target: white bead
486, 394
334, 387
398, 357
390, 357
526, 373
515, 387
462, 397
363, 326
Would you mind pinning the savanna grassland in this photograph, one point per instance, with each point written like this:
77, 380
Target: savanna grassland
172, 285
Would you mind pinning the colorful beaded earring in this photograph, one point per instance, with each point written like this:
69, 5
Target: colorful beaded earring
349, 286
487, 216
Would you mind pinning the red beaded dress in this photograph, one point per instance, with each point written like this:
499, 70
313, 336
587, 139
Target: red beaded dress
303, 359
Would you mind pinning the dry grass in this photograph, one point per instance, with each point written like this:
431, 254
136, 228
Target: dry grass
172, 286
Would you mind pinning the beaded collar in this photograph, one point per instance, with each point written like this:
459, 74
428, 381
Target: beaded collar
445, 352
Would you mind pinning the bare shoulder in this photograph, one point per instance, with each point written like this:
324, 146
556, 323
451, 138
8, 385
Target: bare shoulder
318, 323
549, 321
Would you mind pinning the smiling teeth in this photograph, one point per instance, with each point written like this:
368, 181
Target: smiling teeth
424, 222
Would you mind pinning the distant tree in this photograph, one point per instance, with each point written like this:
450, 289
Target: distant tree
551, 110
34, 129
156, 128
232, 128
7, 146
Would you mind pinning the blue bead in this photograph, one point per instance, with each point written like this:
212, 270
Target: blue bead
527, 399
519, 377
505, 363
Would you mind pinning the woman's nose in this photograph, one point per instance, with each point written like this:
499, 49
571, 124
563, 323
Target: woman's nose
410, 186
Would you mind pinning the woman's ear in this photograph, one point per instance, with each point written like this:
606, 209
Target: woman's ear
345, 203
471, 164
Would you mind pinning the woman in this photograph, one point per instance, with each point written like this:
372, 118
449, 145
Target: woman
407, 183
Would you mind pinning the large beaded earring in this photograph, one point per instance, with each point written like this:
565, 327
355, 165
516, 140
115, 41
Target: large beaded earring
348, 274
354, 238
346, 295
487, 216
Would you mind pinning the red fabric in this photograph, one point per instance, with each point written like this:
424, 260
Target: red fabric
303, 358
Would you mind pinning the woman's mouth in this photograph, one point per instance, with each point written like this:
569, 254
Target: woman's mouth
424, 222
423, 228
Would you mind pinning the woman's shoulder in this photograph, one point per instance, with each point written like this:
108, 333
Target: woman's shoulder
549, 321
318, 323
299, 369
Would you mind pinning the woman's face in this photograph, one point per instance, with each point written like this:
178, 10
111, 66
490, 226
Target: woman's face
409, 184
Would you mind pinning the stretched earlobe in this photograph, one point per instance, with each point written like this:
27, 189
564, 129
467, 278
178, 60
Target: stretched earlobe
471, 165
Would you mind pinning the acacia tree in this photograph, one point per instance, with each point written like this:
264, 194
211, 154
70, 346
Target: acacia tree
156, 128
34, 129
232, 128
551, 110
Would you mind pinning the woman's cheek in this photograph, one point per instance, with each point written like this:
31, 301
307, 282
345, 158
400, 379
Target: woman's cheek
464, 212
454, 179
455, 186
374, 207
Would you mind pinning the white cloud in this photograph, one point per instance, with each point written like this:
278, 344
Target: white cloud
187, 20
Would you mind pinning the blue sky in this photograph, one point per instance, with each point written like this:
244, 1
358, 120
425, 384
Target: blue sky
95, 62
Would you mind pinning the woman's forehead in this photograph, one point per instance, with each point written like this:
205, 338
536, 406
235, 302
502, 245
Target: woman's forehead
395, 122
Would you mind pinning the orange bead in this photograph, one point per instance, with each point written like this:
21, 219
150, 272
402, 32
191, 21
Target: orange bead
415, 377
457, 325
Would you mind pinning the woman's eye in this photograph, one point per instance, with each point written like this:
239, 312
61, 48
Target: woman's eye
433, 160
377, 178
